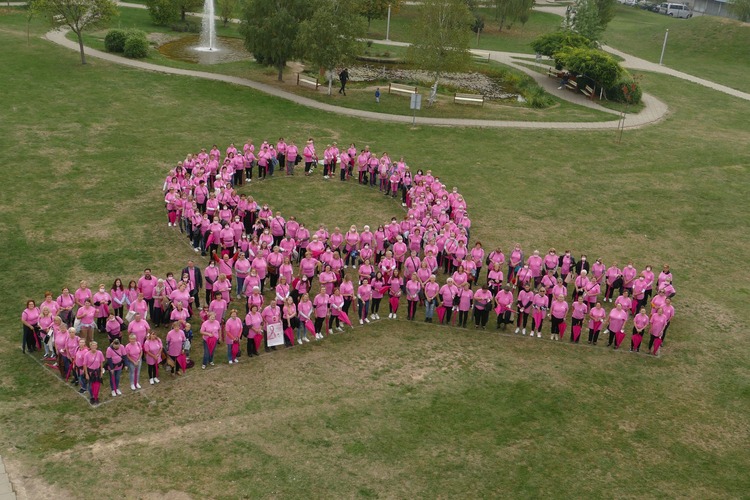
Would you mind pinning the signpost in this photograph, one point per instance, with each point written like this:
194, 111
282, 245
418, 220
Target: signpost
415, 104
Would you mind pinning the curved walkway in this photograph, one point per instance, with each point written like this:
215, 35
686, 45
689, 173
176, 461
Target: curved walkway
658, 109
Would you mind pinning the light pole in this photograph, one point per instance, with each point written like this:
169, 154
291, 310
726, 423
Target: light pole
663, 47
388, 24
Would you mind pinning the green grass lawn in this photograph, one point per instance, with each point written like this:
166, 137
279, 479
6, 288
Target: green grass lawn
397, 409
713, 48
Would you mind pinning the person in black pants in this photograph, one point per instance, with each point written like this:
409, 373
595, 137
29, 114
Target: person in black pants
343, 78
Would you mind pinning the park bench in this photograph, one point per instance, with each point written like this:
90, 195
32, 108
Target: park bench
304, 80
588, 92
572, 85
468, 98
404, 89
553, 73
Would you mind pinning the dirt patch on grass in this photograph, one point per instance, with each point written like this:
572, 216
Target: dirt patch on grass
30, 485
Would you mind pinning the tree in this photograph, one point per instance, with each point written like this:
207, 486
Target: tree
442, 33
586, 21
741, 9
550, 43
378, 9
185, 6
78, 15
331, 37
509, 11
270, 29
163, 12
606, 11
226, 9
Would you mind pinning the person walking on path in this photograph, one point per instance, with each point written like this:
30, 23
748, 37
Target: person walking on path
343, 77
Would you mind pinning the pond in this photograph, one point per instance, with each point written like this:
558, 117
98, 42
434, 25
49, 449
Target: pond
186, 49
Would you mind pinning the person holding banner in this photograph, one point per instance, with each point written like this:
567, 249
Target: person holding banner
577, 316
558, 310
596, 318
233, 332
657, 322
616, 326
640, 322
175, 342
271, 317
254, 330
210, 330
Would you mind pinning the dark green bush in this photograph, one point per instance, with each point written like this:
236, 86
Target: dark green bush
626, 89
114, 41
136, 45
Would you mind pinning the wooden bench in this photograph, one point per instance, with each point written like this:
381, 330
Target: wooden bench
588, 92
553, 73
572, 85
301, 79
404, 89
469, 98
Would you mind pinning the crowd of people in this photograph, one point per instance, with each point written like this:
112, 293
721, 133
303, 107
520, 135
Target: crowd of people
268, 274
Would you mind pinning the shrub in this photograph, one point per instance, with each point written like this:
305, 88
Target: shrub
626, 89
136, 45
186, 27
114, 41
594, 64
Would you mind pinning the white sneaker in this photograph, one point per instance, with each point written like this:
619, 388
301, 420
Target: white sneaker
367, 320
114, 394
169, 224
203, 367
339, 329
211, 363
518, 330
325, 177
524, 331
196, 250
390, 315
156, 379
330, 331
299, 341
345, 266
361, 322
132, 387
377, 316
119, 392
306, 339
539, 334
230, 361
394, 316
372, 316
137, 386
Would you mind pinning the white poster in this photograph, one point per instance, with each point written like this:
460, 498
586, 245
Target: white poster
275, 334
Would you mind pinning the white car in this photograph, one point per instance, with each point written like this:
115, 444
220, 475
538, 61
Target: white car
676, 10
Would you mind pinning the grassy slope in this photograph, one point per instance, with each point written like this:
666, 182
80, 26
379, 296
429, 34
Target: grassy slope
394, 410
713, 48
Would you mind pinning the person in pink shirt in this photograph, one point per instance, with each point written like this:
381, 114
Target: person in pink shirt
431, 294
591, 292
395, 284
210, 330
146, 285
580, 309
320, 302
535, 263
152, 348
93, 366
524, 303
613, 278
30, 320
327, 280
336, 303
640, 322
503, 306
378, 284
175, 343
617, 318
558, 310
114, 327
305, 310
523, 276
482, 306
540, 306
465, 296
133, 355
290, 321
629, 274
364, 296
79, 361
102, 301
86, 315
233, 330
82, 293
596, 318
548, 283
66, 302
253, 330
413, 290
658, 322
668, 310
68, 351
580, 284
664, 275
115, 359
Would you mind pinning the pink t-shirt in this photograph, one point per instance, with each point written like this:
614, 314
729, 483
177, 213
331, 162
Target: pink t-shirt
93, 360
175, 340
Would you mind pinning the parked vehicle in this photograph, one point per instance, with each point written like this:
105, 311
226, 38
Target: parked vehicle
676, 10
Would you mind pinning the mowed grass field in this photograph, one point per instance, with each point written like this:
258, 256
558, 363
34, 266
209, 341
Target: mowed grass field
396, 409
